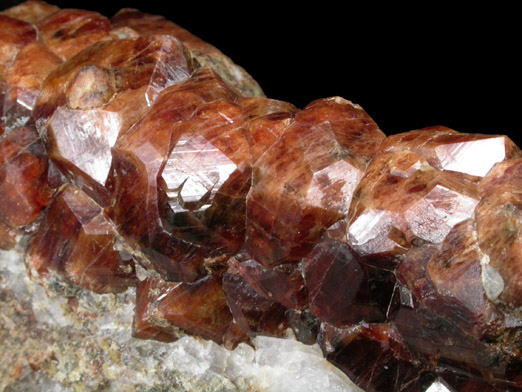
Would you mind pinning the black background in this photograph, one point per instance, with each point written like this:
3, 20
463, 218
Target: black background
407, 66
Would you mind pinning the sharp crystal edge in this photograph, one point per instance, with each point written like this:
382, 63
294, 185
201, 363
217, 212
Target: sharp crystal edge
167, 227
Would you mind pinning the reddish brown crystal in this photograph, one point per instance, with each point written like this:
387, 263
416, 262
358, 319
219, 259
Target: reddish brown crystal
499, 219
446, 149
418, 188
399, 255
144, 326
253, 313
31, 11
456, 382
187, 166
23, 81
459, 260
304, 182
267, 119
373, 356
283, 284
75, 238
198, 308
24, 188
14, 35
328, 268
304, 325
444, 343
68, 31
148, 25
435, 311
93, 98
131, 21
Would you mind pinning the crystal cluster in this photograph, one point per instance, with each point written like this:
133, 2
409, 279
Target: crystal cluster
132, 158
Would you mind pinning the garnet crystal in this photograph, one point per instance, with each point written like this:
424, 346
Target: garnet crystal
131, 156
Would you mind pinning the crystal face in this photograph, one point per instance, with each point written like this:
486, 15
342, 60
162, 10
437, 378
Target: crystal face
304, 181
25, 183
76, 239
127, 161
89, 101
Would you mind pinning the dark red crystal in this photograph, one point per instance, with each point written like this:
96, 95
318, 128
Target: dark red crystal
253, 313
373, 356
365, 299
283, 283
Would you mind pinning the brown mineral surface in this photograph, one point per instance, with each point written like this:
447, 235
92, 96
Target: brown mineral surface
141, 171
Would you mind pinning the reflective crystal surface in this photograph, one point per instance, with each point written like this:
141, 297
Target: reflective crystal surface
304, 182
134, 155
498, 219
23, 81
93, 98
129, 21
194, 210
25, 183
14, 35
417, 188
67, 32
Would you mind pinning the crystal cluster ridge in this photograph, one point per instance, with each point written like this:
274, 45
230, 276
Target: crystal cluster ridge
133, 154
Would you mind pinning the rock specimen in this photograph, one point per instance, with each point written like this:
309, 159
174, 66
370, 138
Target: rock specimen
132, 154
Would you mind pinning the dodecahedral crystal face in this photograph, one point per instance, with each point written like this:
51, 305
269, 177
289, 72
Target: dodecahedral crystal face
133, 154
498, 225
199, 308
94, 97
304, 182
418, 187
76, 238
193, 209
25, 183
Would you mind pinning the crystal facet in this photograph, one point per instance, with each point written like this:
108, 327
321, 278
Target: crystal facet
76, 239
133, 155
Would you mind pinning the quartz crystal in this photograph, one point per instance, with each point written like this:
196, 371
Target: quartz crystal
139, 163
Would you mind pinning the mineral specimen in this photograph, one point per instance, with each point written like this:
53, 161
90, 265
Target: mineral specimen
136, 158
